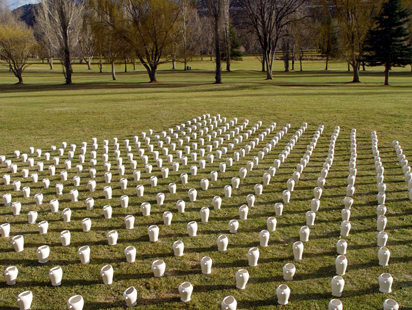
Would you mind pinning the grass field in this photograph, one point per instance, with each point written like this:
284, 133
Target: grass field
43, 112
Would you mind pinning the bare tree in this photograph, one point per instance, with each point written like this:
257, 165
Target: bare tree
16, 46
355, 18
268, 19
216, 11
61, 21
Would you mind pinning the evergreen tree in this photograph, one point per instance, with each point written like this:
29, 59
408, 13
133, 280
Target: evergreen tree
387, 43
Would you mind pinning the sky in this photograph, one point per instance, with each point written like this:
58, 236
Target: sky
16, 3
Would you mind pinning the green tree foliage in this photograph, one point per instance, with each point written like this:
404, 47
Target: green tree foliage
387, 43
235, 53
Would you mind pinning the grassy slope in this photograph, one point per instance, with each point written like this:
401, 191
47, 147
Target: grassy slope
43, 113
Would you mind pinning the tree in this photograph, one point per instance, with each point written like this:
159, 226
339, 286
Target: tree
16, 46
355, 18
387, 43
61, 22
216, 11
327, 39
268, 19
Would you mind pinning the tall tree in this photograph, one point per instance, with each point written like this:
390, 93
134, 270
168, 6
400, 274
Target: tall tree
327, 39
387, 43
355, 18
216, 11
269, 19
16, 46
62, 21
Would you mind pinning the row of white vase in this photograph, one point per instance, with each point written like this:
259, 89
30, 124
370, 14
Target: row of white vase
405, 165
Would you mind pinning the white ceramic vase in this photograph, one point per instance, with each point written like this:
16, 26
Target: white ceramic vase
242, 277
289, 271
283, 293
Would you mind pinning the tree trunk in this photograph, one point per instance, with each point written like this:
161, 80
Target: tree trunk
185, 64
286, 58
211, 57
18, 75
363, 66
113, 71
218, 76
327, 63
100, 64
174, 65
67, 66
293, 63
134, 64
125, 65
51, 63
348, 67
151, 70
387, 68
89, 63
269, 65
263, 62
355, 68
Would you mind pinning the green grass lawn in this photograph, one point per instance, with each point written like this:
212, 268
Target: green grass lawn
43, 112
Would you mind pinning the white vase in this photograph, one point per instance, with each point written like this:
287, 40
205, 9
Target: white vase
382, 239
229, 303
56, 275
38, 198
146, 208
185, 291
337, 285
297, 250
18, 243
222, 243
178, 248
242, 172
335, 304
345, 228
43, 253
243, 212
258, 189
107, 274
65, 237
317, 192
271, 223
390, 304
5, 230
192, 193
278, 209
112, 237
348, 202
283, 293
108, 177
321, 182
153, 181
384, 254
381, 210
381, 187
46, 183
242, 277
192, 229
136, 175
6, 179
290, 185
54, 205
235, 183
67, 213
385, 283
253, 257
381, 223
381, 198
43, 226
130, 296
180, 204
140, 190
59, 189
350, 190
124, 201
130, 252
86, 224
26, 192
233, 226
24, 300
206, 265
217, 202
310, 218
341, 263
158, 267
264, 238
204, 214
129, 221
74, 195
289, 271
153, 232
11, 275
16, 208
266, 178
341, 247
107, 212
286, 196
75, 302
76, 181
107, 190
167, 218
304, 232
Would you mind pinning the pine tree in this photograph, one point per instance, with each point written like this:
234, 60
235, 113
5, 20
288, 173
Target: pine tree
387, 43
